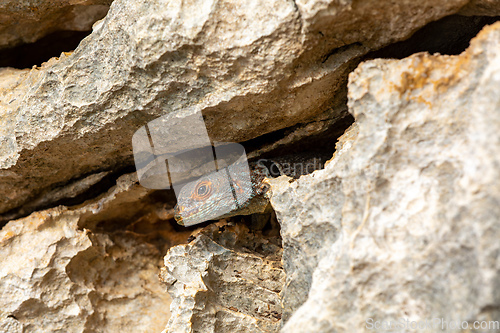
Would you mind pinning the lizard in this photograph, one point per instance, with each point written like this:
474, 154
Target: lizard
208, 197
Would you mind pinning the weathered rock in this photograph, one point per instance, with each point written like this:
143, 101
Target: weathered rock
403, 223
310, 218
57, 276
480, 7
24, 21
226, 280
251, 69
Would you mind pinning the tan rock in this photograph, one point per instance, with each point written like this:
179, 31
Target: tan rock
226, 280
402, 225
23, 21
56, 275
251, 69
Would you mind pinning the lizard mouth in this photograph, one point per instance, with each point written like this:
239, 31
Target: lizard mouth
179, 211
177, 215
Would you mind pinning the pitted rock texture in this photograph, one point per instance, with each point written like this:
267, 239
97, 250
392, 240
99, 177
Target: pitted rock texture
404, 220
402, 223
251, 68
24, 21
227, 279
56, 275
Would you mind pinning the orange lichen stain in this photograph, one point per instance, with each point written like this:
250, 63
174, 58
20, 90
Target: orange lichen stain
422, 100
419, 77
7, 236
416, 79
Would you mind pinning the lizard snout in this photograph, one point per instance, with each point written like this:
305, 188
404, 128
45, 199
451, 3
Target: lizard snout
178, 214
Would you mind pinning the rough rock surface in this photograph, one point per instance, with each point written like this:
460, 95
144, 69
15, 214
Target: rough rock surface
25, 21
403, 222
226, 280
251, 69
56, 276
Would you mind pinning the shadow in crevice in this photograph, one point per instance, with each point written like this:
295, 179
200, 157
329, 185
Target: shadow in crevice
321, 144
73, 197
450, 35
29, 55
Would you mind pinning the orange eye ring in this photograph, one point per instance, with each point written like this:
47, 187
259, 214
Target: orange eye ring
202, 190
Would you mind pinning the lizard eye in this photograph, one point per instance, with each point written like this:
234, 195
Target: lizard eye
203, 190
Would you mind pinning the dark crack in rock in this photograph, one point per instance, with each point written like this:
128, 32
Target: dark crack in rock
227, 279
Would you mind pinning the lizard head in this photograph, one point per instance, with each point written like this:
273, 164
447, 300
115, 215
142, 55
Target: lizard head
210, 197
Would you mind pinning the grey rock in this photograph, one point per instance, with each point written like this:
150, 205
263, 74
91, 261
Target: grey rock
226, 280
251, 69
402, 224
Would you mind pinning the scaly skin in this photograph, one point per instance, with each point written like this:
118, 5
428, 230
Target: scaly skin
211, 197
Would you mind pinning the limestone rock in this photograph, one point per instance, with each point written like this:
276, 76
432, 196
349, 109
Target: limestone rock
226, 280
252, 69
56, 275
480, 7
24, 21
403, 222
